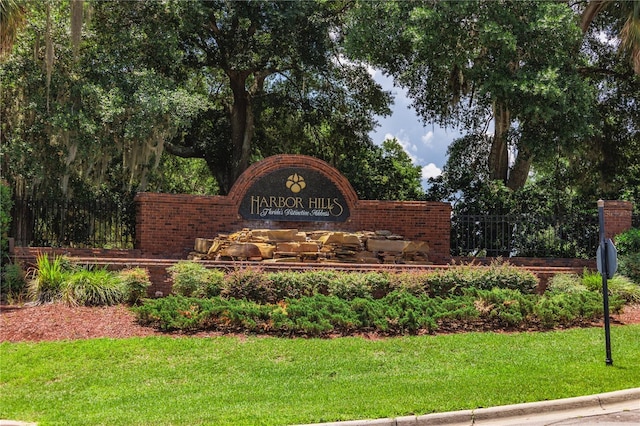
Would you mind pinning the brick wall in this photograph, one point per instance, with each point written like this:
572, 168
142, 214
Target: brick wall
415, 220
168, 224
617, 217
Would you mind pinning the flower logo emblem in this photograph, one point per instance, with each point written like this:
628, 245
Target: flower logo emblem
296, 183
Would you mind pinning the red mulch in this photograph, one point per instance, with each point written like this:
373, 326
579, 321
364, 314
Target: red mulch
59, 322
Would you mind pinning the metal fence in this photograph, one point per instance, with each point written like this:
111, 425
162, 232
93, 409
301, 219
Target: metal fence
98, 222
510, 235
108, 223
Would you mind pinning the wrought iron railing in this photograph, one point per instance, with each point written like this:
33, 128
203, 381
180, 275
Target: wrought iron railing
511, 235
52, 222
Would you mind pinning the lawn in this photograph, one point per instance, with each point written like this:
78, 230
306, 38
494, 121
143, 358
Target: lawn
272, 381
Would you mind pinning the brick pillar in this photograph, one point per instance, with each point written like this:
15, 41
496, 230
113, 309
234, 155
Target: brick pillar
617, 217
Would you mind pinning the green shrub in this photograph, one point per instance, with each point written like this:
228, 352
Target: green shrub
293, 284
414, 282
458, 308
48, 279
174, 312
63, 280
502, 306
628, 242
378, 283
135, 282
400, 312
456, 279
625, 289
92, 288
349, 285
566, 283
321, 280
619, 286
181, 313
506, 276
13, 285
629, 265
371, 314
450, 281
568, 309
240, 315
628, 246
321, 314
192, 279
407, 313
250, 284
592, 280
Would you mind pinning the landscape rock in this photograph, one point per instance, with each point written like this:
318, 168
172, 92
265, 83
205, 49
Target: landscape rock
292, 245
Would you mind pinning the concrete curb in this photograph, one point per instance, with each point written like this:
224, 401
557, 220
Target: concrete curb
502, 412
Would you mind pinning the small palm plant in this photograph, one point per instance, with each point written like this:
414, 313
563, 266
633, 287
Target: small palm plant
48, 279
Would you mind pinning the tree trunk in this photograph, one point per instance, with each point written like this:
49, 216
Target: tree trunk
242, 128
499, 157
222, 177
520, 171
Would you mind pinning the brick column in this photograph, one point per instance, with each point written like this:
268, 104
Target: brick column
617, 217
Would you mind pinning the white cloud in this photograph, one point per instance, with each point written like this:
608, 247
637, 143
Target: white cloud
427, 139
431, 141
410, 148
430, 170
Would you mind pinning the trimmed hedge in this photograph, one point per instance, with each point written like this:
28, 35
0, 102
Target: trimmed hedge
194, 279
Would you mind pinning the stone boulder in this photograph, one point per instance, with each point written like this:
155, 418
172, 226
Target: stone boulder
291, 245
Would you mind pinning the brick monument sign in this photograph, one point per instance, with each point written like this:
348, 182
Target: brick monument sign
285, 192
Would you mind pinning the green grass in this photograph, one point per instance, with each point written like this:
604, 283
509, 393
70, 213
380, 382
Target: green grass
271, 381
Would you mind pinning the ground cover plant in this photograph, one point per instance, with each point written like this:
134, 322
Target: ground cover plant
272, 381
323, 303
397, 313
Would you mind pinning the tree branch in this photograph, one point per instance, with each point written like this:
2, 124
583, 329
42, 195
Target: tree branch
589, 71
181, 150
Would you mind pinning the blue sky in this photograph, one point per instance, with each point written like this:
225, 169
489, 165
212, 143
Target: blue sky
425, 144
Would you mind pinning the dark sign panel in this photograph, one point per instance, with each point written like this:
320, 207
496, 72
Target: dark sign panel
295, 194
